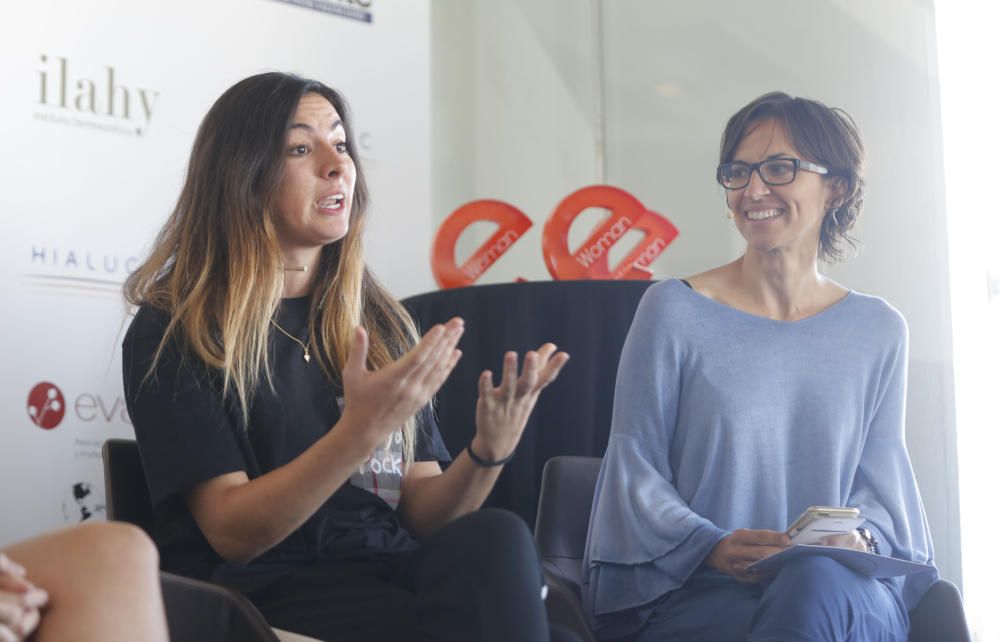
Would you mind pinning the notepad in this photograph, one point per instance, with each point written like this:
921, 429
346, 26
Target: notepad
878, 566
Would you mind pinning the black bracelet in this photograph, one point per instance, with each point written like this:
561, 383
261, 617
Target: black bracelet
486, 463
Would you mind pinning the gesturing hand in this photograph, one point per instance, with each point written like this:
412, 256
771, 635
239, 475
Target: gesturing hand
735, 552
20, 602
502, 412
377, 403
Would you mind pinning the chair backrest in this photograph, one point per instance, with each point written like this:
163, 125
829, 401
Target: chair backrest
588, 319
568, 485
125, 486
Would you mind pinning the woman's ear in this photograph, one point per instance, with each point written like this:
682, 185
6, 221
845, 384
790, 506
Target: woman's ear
838, 189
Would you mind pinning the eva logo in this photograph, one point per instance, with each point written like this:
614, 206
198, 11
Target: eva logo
46, 405
589, 261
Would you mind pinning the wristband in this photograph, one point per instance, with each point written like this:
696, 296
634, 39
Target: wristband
486, 463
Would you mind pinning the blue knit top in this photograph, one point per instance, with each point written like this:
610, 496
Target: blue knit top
726, 420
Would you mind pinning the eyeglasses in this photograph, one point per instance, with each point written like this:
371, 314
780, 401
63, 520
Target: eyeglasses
774, 171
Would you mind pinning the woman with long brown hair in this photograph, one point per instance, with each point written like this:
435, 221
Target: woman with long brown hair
280, 398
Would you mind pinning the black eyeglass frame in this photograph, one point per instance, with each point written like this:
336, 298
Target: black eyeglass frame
797, 164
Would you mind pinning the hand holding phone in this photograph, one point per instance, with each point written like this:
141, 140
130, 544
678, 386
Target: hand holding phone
817, 522
743, 547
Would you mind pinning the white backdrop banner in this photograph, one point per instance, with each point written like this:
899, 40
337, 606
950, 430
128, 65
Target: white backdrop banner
100, 104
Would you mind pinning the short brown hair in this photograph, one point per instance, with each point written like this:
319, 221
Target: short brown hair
823, 135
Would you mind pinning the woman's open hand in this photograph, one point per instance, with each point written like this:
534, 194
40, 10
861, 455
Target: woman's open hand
742, 548
503, 411
20, 602
377, 403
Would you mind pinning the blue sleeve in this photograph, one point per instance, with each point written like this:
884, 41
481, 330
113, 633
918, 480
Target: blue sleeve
644, 540
884, 487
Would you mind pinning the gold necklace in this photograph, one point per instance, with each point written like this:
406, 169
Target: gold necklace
305, 346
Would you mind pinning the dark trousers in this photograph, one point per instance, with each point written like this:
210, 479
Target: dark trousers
476, 579
813, 599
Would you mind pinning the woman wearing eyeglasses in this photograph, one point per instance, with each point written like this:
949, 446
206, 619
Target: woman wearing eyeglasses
748, 393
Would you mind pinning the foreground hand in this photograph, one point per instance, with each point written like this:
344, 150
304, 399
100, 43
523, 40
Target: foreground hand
20, 602
378, 403
502, 412
846, 540
735, 552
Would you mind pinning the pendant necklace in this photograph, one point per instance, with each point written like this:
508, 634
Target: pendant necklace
305, 346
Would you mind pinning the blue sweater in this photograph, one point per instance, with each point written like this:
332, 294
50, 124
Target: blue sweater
726, 420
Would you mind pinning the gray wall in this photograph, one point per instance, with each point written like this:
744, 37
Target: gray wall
532, 101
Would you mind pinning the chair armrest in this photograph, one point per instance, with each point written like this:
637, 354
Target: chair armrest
563, 605
203, 612
939, 615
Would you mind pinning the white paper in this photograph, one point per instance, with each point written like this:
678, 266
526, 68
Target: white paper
878, 566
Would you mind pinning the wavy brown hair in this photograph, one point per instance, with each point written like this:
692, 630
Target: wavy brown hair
216, 269
822, 134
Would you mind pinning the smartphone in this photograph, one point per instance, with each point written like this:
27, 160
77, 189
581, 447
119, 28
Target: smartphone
816, 522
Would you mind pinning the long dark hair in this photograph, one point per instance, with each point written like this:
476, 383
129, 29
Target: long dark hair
215, 267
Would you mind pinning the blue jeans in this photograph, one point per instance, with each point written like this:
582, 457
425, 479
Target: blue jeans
813, 599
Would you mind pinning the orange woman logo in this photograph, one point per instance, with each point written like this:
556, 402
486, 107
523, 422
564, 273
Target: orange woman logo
589, 261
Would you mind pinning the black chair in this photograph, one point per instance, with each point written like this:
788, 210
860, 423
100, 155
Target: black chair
939, 615
588, 319
568, 485
196, 611
200, 611
128, 498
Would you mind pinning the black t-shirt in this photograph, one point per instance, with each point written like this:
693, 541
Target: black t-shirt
188, 433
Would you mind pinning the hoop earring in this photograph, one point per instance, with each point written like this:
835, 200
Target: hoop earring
833, 214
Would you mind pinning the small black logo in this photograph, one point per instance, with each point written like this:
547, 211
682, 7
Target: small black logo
81, 504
